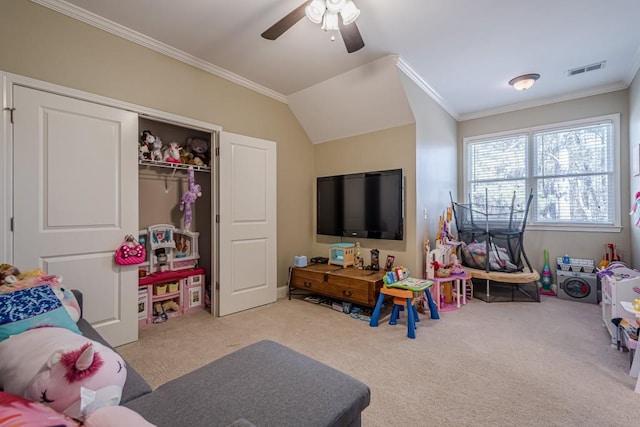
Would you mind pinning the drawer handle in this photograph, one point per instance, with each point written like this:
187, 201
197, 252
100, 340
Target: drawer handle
347, 292
307, 284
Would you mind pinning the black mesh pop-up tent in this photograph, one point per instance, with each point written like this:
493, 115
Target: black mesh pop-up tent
491, 238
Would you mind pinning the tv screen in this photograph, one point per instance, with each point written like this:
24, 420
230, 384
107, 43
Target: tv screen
366, 205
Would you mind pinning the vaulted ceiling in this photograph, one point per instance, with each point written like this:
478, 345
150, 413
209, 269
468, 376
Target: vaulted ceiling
462, 52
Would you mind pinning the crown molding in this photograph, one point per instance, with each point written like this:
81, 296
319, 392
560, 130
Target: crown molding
635, 66
133, 36
546, 101
415, 77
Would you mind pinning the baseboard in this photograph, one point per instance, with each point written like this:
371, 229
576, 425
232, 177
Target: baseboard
282, 292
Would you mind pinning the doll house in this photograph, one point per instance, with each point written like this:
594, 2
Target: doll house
170, 282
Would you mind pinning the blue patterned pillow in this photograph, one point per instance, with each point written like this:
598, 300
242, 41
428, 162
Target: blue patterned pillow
32, 308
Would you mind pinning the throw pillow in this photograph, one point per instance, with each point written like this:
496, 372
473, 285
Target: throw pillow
66, 296
18, 411
32, 308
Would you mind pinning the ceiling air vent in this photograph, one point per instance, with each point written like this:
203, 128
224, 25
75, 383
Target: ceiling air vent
586, 68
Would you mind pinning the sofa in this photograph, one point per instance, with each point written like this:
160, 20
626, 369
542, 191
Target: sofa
262, 384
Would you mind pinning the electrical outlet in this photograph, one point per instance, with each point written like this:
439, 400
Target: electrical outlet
425, 213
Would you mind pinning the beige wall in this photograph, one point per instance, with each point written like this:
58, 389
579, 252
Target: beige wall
436, 156
634, 141
577, 244
387, 149
48, 46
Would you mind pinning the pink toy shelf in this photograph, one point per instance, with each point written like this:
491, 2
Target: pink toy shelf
170, 281
168, 249
179, 292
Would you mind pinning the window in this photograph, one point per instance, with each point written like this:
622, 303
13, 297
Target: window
570, 167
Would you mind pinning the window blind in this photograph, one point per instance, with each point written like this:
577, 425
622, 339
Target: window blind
574, 175
570, 167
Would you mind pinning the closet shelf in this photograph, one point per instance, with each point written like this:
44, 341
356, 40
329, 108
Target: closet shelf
174, 166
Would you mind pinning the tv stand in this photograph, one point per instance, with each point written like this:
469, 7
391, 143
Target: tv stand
345, 284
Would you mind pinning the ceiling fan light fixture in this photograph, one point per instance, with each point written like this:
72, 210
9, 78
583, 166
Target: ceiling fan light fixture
524, 82
335, 6
315, 11
330, 22
349, 13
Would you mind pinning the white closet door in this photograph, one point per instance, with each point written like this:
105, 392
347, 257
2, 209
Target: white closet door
75, 198
247, 191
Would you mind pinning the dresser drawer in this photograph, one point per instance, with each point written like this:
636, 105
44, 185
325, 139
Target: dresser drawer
355, 294
359, 286
344, 284
310, 284
302, 273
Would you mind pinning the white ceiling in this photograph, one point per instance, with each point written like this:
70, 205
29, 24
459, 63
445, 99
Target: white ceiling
462, 51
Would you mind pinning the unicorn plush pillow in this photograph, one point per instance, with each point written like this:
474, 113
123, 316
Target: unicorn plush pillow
66, 371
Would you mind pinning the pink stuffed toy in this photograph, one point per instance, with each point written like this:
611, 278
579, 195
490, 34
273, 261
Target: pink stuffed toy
190, 197
66, 371
171, 153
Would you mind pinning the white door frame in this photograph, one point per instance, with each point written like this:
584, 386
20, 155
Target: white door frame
6, 152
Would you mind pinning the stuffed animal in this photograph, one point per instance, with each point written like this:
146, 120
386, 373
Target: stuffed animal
186, 158
190, 197
156, 148
171, 153
146, 141
8, 274
54, 365
200, 150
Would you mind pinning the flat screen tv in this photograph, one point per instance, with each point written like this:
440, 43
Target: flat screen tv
366, 205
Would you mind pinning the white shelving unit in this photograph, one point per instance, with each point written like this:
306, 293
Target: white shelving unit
624, 285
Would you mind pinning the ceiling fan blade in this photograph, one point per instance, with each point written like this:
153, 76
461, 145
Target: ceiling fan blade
351, 36
278, 29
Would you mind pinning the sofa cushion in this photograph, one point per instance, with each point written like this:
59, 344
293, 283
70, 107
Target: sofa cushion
32, 308
266, 384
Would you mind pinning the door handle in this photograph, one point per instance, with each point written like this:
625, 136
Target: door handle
347, 292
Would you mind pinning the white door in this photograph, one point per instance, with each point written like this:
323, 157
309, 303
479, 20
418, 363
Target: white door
75, 198
247, 190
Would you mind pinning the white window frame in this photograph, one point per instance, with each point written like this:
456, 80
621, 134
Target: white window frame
531, 223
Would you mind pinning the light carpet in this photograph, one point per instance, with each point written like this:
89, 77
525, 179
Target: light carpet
486, 364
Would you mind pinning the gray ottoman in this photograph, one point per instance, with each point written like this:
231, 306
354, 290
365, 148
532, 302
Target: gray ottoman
266, 384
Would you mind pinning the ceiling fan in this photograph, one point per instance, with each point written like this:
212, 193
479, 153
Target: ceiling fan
327, 12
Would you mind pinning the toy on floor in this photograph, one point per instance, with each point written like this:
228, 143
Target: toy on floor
546, 279
190, 197
159, 315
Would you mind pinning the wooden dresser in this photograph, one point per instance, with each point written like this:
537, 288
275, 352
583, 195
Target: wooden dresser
345, 284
